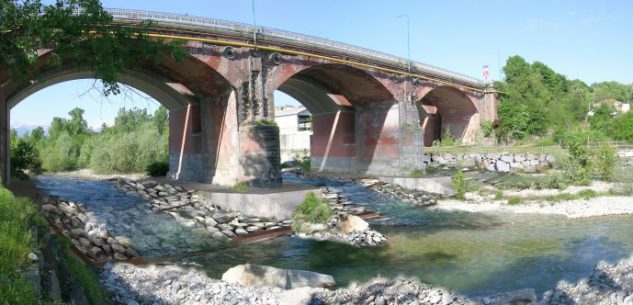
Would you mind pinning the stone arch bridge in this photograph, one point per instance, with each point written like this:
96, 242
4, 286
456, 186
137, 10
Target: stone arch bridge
372, 113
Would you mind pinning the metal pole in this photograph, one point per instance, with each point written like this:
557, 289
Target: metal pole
254, 23
408, 93
498, 64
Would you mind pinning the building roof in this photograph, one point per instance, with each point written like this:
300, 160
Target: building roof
291, 111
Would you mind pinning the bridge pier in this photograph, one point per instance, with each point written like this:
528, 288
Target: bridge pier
4, 139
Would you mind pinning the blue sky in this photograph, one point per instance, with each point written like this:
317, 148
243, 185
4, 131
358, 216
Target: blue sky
588, 40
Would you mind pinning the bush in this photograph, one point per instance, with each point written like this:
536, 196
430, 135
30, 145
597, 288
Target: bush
487, 128
240, 187
312, 210
303, 162
157, 168
24, 156
416, 173
587, 194
605, 161
514, 200
458, 183
551, 181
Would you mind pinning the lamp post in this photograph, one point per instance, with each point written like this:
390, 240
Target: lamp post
498, 64
254, 23
408, 93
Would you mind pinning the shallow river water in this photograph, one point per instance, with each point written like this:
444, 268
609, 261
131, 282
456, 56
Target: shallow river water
471, 253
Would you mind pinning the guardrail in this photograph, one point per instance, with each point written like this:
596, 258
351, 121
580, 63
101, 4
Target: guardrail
243, 29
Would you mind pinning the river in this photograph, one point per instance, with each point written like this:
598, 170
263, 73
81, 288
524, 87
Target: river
472, 253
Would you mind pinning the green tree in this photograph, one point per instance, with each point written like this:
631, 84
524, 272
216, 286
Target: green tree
78, 32
612, 90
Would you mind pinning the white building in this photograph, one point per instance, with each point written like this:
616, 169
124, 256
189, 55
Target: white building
295, 129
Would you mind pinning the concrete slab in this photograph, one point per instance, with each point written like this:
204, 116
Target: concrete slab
279, 202
435, 185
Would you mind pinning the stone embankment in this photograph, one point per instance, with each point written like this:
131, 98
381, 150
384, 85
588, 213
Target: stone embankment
191, 210
494, 162
85, 232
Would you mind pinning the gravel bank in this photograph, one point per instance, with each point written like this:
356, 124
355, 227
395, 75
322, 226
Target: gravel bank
581, 208
157, 285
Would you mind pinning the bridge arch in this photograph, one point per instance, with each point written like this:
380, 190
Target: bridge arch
195, 95
446, 110
349, 107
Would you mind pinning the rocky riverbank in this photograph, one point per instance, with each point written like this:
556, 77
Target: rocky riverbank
129, 284
191, 210
86, 233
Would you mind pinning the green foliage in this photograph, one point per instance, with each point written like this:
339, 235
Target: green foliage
417, 173
459, 185
136, 140
498, 195
605, 161
551, 181
84, 276
487, 127
240, 187
612, 90
304, 162
312, 210
514, 200
447, 140
265, 122
18, 218
78, 32
157, 169
24, 156
522, 182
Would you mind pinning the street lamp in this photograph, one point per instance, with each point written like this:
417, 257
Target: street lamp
498, 64
408, 93
254, 23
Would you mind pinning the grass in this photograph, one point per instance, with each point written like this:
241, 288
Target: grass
20, 225
417, 173
312, 210
83, 275
19, 219
523, 182
240, 187
514, 200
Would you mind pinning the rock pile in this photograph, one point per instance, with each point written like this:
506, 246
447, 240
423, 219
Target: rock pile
494, 162
192, 211
340, 203
85, 233
347, 229
608, 284
414, 197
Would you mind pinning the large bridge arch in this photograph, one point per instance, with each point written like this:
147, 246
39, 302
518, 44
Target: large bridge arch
350, 108
196, 96
445, 110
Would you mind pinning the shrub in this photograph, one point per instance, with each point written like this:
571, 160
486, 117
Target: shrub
458, 183
605, 161
304, 162
24, 156
520, 182
587, 194
551, 181
416, 173
240, 187
157, 168
312, 210
487, 128
265, 122
499, 195
514, 200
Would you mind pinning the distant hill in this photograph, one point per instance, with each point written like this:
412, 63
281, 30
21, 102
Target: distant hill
23, 129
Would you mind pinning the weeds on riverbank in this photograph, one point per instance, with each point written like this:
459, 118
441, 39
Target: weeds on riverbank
313, 210
19, 224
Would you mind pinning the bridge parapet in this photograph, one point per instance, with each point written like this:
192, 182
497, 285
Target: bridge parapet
245, 31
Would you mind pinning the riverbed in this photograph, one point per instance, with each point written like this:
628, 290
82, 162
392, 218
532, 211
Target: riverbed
473, 253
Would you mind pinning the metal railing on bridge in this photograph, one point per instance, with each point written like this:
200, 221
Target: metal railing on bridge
301, 40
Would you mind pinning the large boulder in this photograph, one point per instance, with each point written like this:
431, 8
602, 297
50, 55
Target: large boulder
349, 223
259, 275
